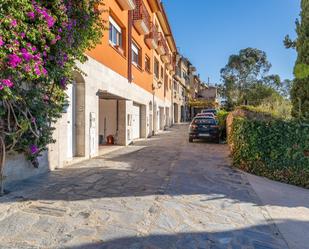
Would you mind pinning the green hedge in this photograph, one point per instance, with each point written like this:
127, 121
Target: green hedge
276, 149
222, 115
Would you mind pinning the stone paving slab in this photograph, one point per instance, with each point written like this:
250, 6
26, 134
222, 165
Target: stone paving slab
160, 193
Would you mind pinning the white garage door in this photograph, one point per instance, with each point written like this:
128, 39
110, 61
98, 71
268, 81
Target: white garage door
136, 116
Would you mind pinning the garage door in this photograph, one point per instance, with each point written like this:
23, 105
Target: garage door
136, 117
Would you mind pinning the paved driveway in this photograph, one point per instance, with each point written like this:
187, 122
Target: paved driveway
159, 193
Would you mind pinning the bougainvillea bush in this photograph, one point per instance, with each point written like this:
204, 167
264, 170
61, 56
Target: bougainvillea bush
40, 43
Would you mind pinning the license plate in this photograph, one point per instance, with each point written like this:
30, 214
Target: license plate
204, 135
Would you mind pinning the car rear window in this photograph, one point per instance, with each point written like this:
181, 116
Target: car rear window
214, 111
209, 121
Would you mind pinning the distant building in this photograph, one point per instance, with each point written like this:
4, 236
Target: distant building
209, 93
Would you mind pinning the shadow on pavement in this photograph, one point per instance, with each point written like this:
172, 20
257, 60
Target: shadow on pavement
255, 237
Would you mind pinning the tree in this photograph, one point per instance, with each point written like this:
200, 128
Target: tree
40, 43
300, 88
246, 80
242, 71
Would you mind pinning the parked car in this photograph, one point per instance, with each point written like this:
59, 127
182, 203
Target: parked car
204, 128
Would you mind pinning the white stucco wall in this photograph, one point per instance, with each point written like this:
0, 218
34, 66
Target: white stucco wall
98, 77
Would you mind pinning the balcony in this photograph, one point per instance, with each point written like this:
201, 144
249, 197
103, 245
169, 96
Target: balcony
166, 57
160, 49
126, 4
152, 38
177, 75
172, 65
141, 18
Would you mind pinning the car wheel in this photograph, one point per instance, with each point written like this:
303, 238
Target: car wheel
190, 140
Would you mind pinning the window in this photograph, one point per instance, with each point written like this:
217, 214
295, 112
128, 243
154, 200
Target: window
115, 33
147, 64
184, 74
161, 72
135, 54
165, 84
175, 86
207, 121
156, 68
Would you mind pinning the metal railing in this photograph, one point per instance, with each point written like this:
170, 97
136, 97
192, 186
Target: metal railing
140, 13
154, 34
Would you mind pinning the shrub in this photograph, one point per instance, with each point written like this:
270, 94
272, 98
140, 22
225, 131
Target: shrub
222, 115
276, 149
40, 45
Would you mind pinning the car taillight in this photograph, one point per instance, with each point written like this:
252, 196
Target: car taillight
193, 127
214, 126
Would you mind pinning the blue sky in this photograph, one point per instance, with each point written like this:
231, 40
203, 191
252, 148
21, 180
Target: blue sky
209, 31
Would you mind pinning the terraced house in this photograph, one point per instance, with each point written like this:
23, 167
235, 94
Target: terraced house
125, 93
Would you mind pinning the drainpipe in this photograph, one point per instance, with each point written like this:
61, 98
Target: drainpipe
172, 101
153, 111
117, 120
130, 23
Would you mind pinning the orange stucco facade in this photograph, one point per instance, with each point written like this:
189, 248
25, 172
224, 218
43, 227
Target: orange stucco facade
117, 59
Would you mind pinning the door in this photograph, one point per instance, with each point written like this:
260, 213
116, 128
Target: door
136, 121
71, 137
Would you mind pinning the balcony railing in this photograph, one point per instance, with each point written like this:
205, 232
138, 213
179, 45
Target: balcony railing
177, 75
126, 4
166, 56
152, 38
161, 44
141, 18
172, 64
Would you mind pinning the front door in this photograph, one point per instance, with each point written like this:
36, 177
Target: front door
136, 121
71, 114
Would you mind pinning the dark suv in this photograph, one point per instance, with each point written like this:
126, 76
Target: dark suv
204, 128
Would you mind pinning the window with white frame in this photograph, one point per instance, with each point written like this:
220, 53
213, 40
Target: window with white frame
115, 33
135, 54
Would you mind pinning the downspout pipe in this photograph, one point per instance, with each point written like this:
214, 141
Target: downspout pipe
130, 24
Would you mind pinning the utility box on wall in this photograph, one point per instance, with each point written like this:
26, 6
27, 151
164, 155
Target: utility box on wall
92, 133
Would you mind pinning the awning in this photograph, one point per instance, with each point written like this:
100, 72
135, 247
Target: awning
103, 94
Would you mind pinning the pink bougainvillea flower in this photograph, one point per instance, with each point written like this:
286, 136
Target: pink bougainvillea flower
27, 68
53, 41
37, 70
22, 34
33, 48
31, 15
1, 42
14, 60
33, 119
44, 71
7, 82
1, 87
26, 55
14, 23
50, 21
33, 149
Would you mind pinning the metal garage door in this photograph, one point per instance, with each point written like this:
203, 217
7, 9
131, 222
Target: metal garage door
136, 121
